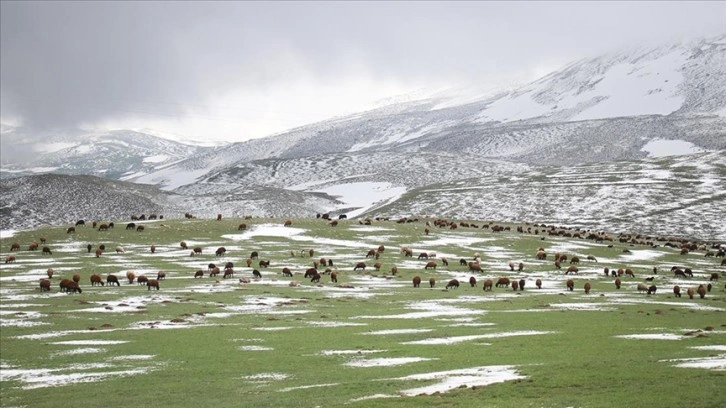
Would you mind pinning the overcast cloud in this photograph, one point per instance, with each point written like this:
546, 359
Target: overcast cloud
236, 70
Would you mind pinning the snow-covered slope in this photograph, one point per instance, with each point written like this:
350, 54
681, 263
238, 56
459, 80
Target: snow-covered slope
113, 154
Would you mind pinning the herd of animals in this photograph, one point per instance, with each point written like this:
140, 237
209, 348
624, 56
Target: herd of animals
473, 265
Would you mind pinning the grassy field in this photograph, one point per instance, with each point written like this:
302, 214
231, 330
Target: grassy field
371, 339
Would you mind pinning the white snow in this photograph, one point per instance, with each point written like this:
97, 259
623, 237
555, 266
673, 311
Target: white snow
7, 233
471, 377
385, 362
662, 148
364, 195
156, 159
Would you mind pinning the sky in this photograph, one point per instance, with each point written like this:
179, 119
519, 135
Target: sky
232, 71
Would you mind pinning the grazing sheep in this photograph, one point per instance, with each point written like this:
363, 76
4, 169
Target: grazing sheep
50, 273
488, 285
394, 270
242, 227
474, 266
360, 266
538, 283
521, 284
130, 226
591, 258
430, 265
520, 267
462, 262
453, 284
377, 266
642, 287
44, 285
503, 283
10, 259
89, 247
161, 275
286, 272
688, 272
96, 280
152, 283
575, 260
587, 287
701, 291
264, 264
571, 269
432, 282
119, 249
606, 271
46, 250
140, 228
183, 245
130, 276
472, 281
220, 251
98, 252
197, 250
315, 278
70, 230
214, 272
677, 291
33, 246
334, 277
72, 287
570, 285
229, 273
256, 274
515, 285
423, 255
652, 289
511, 266
629, 272
541, 255
287, 223
153, 249
678, 272
714, 276
199, 274
112, 279
690, 292
142, 280
416, 281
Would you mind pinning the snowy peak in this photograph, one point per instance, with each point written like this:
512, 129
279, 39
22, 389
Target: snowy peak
683, 79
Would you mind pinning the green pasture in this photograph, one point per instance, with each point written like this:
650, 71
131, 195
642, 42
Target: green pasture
361, 342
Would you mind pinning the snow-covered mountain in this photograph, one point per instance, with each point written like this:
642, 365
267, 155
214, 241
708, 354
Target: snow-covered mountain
119, 154
598, 109
591, 125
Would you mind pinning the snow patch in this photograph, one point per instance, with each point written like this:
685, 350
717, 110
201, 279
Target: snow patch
663, 148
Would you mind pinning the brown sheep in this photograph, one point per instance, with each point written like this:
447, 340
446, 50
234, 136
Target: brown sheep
72, 287
575, 260
140, 228
652, 289
453, 284
377, 266
714, 276
515, 285
522, 282
503, 282
142, 280
96, 280
430, 265
432, 282
723, 262
701, 291
444, 261
214, 272
46, 250
152, 283
606, 271
199, 274
488, 285
153, 249
264, 264
63, 284
690, 293
538, 283
570, 285
71, 230
220, 251
50, 273
591, 258
520, 267
475, 267
161, 275
33, 246
286, 272
472, 281
197, 250
183, 245
423, 255
315, 278
14, 247
112, 279
394, 270
677, 291
334, 277
617, 283
511, 266
98, 252
287, 223
248, 261
242, 227
229, 273
76, 278
416, 281
130, 276
541, 255
360, 266
44, 285
629, 272
587, 288
10, 259
571, 269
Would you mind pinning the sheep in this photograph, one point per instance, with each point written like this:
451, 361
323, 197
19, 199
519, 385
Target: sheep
515, 285
394, 270
112, 279
161, 275
152, 283
96, 280
690, 292
677, 291
416, 281
701, 291
453, 284
199, 274
642, 287
521, 284
652, 289
472, 281
432, 282
571, 269
502, 282
587, 288
377, 266
44, 285
286, 272
360, 266
538, 283
430, 265
50, 273
488, 285
570, 285
120, 249
130, 276
334, 277
142, 280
